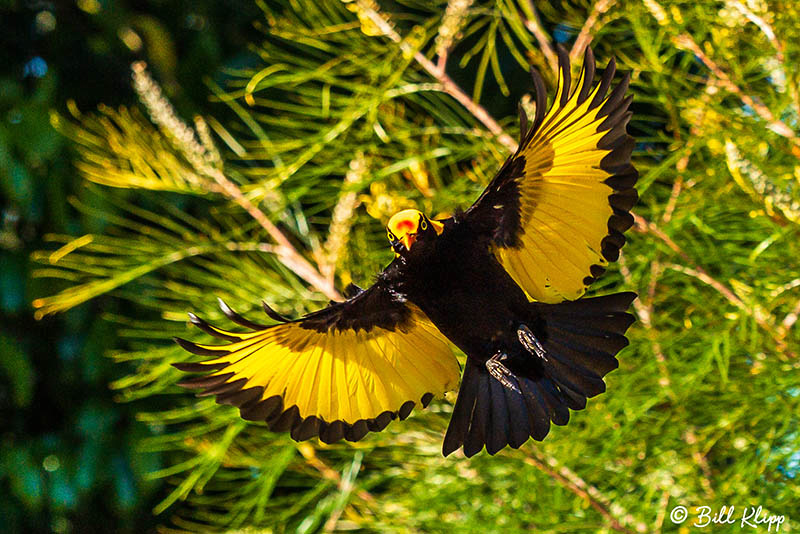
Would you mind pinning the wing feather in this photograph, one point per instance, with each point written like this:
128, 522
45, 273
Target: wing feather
337, 373
567, 192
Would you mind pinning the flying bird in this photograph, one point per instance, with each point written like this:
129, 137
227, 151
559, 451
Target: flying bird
502, 281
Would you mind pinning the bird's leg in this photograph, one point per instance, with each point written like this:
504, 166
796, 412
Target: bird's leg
500, 372
530, 342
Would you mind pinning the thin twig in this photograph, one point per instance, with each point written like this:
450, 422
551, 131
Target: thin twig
342, 219
534, 25
644, 226
448, 84
764, 26
686, 42
645, 311
662, 511
285, 252
328, 473
691, 439
758, 315
441, 61
578, 486
584, 38
203, 159
789, 320
696, 271
696, 133
676, 191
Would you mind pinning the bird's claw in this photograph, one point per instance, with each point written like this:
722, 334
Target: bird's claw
530, 342
500, 372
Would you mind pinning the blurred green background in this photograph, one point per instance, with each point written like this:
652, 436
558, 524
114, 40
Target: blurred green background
67, 449
315, 108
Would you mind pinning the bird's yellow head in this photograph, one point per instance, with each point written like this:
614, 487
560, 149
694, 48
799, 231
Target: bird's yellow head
406, 226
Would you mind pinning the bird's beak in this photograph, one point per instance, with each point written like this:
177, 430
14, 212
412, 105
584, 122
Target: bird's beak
402, 245
408, 240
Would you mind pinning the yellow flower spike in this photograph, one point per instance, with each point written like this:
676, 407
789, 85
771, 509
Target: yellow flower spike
418, 175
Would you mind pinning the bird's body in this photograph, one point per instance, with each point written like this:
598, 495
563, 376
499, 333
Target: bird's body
502, 281
458, 282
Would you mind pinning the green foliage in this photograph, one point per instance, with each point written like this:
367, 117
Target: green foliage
340, 124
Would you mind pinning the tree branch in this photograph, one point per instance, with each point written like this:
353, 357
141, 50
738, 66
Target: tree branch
285, 252
590, 494
534, 25
327, 472
584, 38
205, 160
686, 42
439, 73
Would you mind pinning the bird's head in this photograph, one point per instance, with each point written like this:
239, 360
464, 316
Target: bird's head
409, 226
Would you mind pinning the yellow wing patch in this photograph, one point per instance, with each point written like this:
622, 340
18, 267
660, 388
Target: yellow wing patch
335, 384
571, 221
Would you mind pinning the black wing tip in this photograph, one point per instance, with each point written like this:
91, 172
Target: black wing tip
617, 163
611, 67
536, 76
282, 419
262, 410
588, 58
208, 329
541, 101
227, 310
224, 387
523, 123
194, 348
405, 410
204, 381
587, 73
237, 318
197, 367
240, 396
564, 75
630, 296
605, 83
563, 56
272, 314
352, 290
189, 367
564, 67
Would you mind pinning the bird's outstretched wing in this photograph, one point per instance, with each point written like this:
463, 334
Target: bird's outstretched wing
556, 211
336, 373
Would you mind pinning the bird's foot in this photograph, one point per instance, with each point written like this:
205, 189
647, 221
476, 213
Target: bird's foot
500, 372
530, 342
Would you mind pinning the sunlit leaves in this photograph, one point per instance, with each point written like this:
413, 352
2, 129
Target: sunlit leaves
122, 148
139, 244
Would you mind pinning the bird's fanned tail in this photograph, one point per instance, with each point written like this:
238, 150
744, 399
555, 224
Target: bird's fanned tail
579, 341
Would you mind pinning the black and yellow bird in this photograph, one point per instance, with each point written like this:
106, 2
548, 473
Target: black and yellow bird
502, 281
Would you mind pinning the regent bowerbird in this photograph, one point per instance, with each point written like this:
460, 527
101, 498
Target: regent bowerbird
502, 281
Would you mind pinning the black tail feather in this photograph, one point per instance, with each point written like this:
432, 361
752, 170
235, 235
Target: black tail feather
581, 339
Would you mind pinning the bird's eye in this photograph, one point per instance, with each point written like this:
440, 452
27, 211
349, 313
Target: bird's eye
391, 236
424, 225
